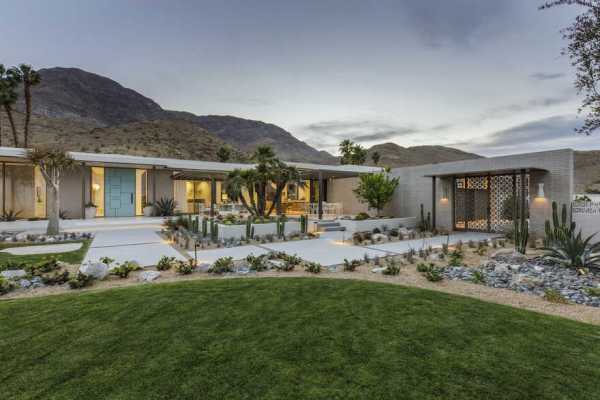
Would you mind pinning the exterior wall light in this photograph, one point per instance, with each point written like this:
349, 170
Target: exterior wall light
444, 192
541, 193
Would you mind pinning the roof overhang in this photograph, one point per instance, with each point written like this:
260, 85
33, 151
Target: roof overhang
484, 172
200, 169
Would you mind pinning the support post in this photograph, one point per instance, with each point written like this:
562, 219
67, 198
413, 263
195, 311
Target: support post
489, 203
321, 189
433, 201
453, 205
213, 196
83, 190
153, 184
3, 188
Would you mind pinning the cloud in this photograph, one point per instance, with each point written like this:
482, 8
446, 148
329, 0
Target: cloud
357, 130
545, 76
532, 104
541, 134
459, 22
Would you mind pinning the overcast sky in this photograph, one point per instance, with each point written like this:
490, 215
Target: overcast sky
482, 75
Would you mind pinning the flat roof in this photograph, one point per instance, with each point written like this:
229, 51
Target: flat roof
119, 160
485, 172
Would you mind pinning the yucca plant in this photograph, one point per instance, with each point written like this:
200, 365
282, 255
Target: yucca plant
165, 207
575, 252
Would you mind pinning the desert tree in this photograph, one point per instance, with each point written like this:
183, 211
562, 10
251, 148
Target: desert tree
8, 97
352, 153
376, 190
52, 162
29, 77
224, 153
583, 50
375, 157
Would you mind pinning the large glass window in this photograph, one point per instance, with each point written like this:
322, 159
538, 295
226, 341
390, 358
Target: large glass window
98, 190
25, 191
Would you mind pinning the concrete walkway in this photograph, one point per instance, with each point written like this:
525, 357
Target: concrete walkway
82, 225
140, 244
42, 249
237, 253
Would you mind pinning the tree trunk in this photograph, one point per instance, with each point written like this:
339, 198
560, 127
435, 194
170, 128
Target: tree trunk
12, 124
27, 114
53, 211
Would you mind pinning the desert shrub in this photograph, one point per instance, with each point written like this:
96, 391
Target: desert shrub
56, 277
478, 277
433, 275
574, 252
44, 267
107, 260
312, 267
292, 259
165, 263
80, 281
357, 238
257, 263
5, 285
594, 292
445, 248
376, 230
351, 266
361, 216
410, 256
184, 267
222, 265
392, 267
455, 258
13, 265
554, 296
481, 251
394, 232
423, 267
123, 270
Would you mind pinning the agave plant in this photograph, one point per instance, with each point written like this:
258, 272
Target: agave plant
10, 215
165, 207
575, 252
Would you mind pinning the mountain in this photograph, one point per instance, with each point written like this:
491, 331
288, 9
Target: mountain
74, 94
393, 155
170, 139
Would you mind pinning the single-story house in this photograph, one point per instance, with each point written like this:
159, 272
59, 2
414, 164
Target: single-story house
477, 194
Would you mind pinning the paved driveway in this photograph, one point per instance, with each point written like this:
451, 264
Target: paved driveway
142, 245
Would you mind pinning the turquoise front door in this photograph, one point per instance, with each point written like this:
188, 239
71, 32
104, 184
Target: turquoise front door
119, 192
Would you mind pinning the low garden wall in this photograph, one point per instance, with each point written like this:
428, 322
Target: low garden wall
239, 231
370, 224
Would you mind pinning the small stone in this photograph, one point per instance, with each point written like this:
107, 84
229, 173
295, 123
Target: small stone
378, 270
13, 273
24, 283
148, 276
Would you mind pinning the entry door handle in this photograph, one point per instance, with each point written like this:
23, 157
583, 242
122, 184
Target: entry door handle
131, 198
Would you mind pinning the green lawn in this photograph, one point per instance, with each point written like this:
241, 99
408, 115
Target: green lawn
289, 339
71, 257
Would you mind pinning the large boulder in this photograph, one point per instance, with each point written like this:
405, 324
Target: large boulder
95, 270
13, 273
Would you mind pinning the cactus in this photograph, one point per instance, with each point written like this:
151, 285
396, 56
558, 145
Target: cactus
194, 226
521, 235
249, 229
425, 223
204, 227
281, 226
214, 231
303, 224
559, 230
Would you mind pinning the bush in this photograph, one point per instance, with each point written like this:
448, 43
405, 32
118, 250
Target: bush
554, 296
5, 285
165, 207
361, 216
56, 278
478, 277
433, 275
184, 267
222, 265
455, 258
80, 281
123, 270
44, 267
594, 292
107, 260
257, 263
313, 267
422, 267
165, 263
392, 267
351, 266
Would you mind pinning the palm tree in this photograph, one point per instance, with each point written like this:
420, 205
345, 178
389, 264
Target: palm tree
255, 182
8, 97
29, 77
375, 157
52, 162
346, 148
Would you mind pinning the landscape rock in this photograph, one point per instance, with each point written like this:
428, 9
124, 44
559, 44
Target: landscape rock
13, 273
24, 283
148, 276
379, 238
95, 270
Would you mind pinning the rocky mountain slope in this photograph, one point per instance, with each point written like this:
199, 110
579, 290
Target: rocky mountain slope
393, 155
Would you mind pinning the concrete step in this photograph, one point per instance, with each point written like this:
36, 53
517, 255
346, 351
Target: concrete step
327, 224
334, 229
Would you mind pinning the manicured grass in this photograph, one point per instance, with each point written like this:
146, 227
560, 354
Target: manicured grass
289, 339
71, 257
